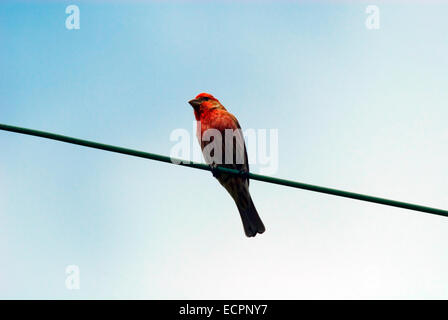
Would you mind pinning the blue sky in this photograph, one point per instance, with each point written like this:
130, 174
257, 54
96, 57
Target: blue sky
356, 109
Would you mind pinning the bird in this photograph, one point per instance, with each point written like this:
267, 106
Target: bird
212, 116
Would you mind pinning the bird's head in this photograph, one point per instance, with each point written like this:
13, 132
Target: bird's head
204, 102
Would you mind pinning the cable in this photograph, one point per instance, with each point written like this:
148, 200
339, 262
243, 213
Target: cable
201, 166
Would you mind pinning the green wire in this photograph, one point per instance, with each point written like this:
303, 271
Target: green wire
253, 176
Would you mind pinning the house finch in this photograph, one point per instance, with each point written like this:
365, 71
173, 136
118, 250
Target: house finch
220, 130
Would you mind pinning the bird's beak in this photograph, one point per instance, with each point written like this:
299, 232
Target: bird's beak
195, 103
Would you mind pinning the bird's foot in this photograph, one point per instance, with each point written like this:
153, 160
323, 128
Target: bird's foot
215, 171
244, 174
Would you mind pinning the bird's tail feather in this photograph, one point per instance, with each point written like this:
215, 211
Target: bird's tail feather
249, 216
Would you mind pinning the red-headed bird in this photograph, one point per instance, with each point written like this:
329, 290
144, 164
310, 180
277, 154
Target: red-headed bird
211, 114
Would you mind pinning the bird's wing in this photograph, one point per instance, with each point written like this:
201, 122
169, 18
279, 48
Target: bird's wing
241, 144
229, 121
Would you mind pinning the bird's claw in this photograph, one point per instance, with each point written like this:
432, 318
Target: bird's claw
244, 174
215, 171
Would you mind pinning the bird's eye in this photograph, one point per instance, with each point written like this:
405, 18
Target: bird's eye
205, 98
